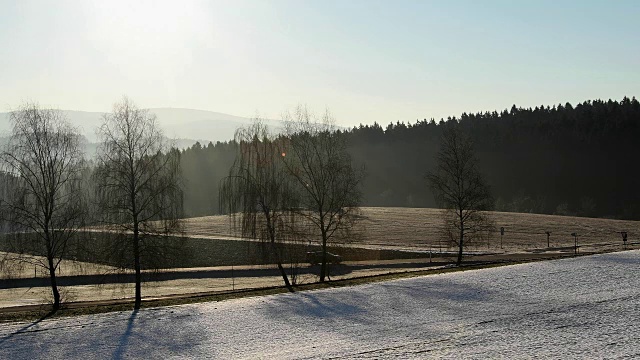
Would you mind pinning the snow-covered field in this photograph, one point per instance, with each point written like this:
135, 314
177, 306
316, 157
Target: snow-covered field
586, 307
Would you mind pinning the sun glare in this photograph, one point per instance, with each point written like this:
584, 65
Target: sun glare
155, 23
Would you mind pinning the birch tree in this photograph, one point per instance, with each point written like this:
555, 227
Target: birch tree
137, 181
44, 205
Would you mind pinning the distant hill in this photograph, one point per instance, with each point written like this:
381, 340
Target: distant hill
202, 125
185, 125
86, 122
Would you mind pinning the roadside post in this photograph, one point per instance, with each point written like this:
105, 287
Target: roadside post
501, 235
548, 236
575, 246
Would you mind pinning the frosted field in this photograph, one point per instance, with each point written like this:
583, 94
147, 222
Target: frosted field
587, 307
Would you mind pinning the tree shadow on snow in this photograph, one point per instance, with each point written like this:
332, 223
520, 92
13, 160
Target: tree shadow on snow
319, 308
364, 305
155, 333
436, 290
124, 339
26, 328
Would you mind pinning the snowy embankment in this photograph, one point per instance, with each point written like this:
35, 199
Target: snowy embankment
586, 307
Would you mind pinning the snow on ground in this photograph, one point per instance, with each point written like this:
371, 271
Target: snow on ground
585, 307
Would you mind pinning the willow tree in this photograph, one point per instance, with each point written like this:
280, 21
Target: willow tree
42, 186
258, 193
137, 178
327, 181
460, 190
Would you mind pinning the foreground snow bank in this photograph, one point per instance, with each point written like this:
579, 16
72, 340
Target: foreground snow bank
576, 308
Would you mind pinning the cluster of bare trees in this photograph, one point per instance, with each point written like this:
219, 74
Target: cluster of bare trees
51, 193
293, 187
302, 186
286, 188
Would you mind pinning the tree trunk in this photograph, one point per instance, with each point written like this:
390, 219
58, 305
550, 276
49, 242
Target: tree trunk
136, 255
52, 273
285, 277
460, 247
274, 250
54, 285
283, 273
323, 267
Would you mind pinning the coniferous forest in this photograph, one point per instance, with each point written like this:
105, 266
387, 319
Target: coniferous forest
561, 159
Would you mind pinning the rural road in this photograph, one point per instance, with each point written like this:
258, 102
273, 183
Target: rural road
218, 273
584, 307
221, 272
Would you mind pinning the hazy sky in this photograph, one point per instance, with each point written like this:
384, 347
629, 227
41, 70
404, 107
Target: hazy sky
364, 60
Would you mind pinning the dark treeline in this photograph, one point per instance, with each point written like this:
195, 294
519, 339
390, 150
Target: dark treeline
562, 159
203, 169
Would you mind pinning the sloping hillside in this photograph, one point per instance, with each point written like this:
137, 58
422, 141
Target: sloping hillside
420, 228
572, 308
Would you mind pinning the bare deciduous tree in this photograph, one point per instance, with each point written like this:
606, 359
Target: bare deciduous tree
460, 190
44, 206
137, 180
328, 184
259, 190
